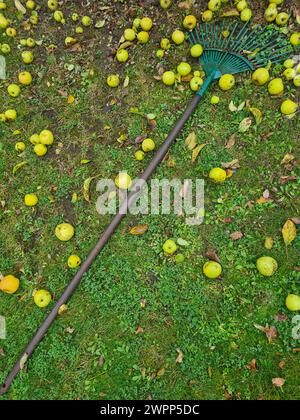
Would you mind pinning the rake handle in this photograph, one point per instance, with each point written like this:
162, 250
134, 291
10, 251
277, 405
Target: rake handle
159, 156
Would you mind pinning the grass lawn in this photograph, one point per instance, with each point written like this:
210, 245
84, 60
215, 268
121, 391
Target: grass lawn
137, 309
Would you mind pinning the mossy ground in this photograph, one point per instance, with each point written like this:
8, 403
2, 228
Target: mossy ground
212, 323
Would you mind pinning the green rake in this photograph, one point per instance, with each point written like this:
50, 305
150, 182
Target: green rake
244, 48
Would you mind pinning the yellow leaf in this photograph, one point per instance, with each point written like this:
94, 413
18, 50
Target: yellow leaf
289, 232
126, 82
191, 141
139, 230
257, 115
20, 7
230, 13
85, 161
71, 99
86, 188
197, 151
18, 166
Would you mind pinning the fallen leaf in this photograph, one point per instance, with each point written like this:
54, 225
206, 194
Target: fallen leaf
245, 125
101, 361
231, 142
18, 166
161, 372
139, 330
212, 255
281, 317
278, 382
282, 364
234, 164
191, 141
2, 68
271, 332
182, 242
252, 366
126, 82
2, 354
288, 158
296, 220
86, 188
180, 356
196, 152
23, 361
285, 179
257, 115
139, 230
100, 24
289, 232
236, 236
231, 13
70, 330
20, 7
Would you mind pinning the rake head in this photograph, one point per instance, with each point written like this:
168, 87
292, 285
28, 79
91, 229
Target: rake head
235, 48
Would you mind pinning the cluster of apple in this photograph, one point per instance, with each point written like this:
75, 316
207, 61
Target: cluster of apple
214, 6
41, 142
148, 145
139, 32
64, 232
261, 77
266, 266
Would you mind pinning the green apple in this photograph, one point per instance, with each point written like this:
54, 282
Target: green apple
53, 4
5, 49
196, 83
282, 19
169, 78
27, 57
184, 69
267, 266
293, 302
42, 298
122, 55
196, 50
276, 86
212, 269
261, 76
13, 90
86, 21
170, 247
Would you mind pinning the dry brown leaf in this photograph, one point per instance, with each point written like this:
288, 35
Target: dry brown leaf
139, 330
252, 366
236, 236
139, 230
285, 179
23, 361
101, 361
212, 255
296, 220
289, 232
278, 382
180, 356
234, 164
271, 332
231, 142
